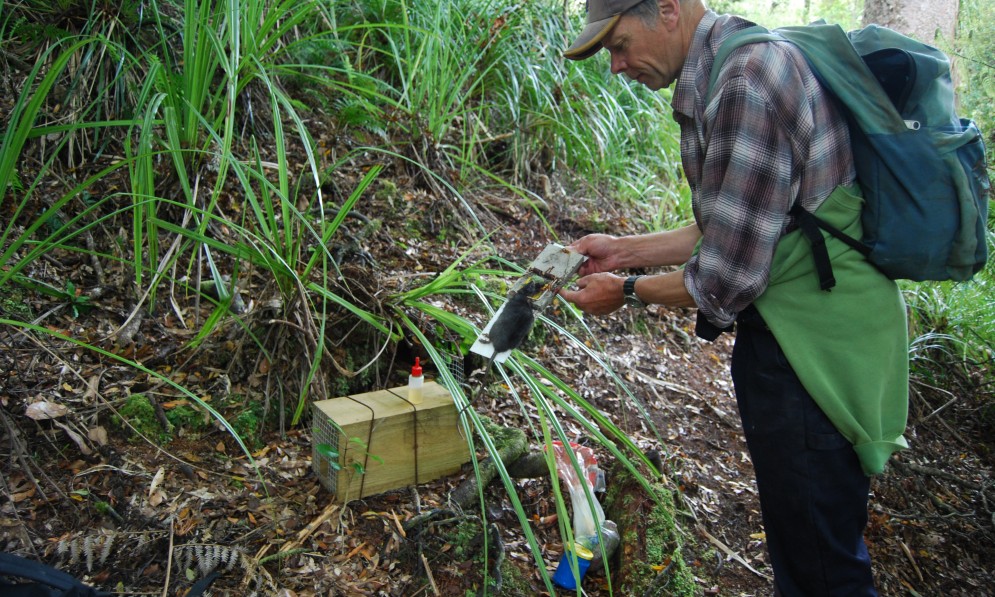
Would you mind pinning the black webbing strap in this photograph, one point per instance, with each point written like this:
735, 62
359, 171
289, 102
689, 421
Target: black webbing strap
843, 236
706, 330
809, 226
52, 581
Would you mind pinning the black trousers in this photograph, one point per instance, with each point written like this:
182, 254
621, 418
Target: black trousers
813, 493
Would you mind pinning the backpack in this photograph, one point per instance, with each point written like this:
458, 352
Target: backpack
922, 170
46, 581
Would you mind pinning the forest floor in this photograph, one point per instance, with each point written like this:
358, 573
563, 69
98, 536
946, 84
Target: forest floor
83, 492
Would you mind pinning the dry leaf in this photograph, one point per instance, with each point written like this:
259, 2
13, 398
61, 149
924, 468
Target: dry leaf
39, 411
98, 434
156, 495
77, 439
92, 385
156, 481
20, 489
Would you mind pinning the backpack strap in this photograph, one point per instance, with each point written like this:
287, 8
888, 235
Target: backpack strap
809, 226
65, 584
18, 567
750, 35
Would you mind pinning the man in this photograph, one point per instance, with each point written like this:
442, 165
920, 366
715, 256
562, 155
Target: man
821, 378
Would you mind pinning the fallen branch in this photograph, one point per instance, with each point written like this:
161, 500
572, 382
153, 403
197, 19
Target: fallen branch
723, 416
294, 544
510, 451
530, 466
497, 546
311, 528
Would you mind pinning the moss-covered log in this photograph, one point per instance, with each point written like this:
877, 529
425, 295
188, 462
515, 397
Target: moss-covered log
511, 445
649, 560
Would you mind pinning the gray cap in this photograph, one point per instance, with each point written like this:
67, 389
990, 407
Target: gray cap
601, 17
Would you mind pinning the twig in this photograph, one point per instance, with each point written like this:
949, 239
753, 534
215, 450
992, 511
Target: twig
723, 416
926, 470
495, 540
660, 399
956, 435
169, 558
733, 555
908, 554
428, 572
94, 260
397, 522
312, 527
938, 411
658, 582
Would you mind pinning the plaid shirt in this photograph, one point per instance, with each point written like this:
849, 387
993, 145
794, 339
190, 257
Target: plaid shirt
769, 137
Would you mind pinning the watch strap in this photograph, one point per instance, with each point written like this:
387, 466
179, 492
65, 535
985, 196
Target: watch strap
629, 292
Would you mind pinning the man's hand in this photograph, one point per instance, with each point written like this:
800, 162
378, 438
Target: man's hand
601, 251
597, 294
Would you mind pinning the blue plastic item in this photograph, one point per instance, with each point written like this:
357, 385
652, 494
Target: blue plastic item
564, 576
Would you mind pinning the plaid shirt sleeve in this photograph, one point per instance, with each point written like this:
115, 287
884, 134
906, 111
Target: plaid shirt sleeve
769, 137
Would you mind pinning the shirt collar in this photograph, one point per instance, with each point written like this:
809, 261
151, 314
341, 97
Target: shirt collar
685, 92
692, 83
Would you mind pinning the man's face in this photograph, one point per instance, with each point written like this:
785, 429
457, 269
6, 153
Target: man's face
643, 53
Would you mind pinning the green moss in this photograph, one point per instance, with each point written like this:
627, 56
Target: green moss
13, 303
463, 539
499, 434
248, 425
140, 415
513, 581
658, 536
388, 191
186, 418
664, 547
467, 544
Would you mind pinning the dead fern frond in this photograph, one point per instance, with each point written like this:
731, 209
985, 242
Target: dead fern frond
207, 558
94, 549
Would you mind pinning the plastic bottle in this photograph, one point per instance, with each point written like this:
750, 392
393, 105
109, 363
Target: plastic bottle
415, 382
609, 532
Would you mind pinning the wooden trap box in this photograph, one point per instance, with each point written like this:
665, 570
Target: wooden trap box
384, 442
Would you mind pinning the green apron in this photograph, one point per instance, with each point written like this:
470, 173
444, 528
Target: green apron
849, 346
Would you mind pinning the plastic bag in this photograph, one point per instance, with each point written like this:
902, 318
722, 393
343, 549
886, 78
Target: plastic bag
586, 522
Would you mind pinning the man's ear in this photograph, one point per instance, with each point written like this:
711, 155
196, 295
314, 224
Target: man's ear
670, 11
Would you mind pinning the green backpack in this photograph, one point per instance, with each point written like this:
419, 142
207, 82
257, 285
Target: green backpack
922, 169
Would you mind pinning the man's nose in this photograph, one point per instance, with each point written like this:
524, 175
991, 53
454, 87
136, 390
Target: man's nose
617, 64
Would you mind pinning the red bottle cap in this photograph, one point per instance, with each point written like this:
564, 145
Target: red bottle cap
416, 370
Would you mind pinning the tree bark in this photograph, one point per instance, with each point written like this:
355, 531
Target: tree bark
931, 22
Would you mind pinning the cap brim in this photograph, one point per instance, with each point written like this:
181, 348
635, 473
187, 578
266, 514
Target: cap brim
589, 41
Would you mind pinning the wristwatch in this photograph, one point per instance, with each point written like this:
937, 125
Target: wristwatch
629, 290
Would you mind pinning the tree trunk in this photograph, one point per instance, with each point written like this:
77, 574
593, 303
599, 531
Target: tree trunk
932, 22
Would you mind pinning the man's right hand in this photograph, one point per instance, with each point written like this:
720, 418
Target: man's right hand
601, 251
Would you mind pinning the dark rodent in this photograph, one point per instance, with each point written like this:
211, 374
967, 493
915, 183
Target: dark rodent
516, 320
